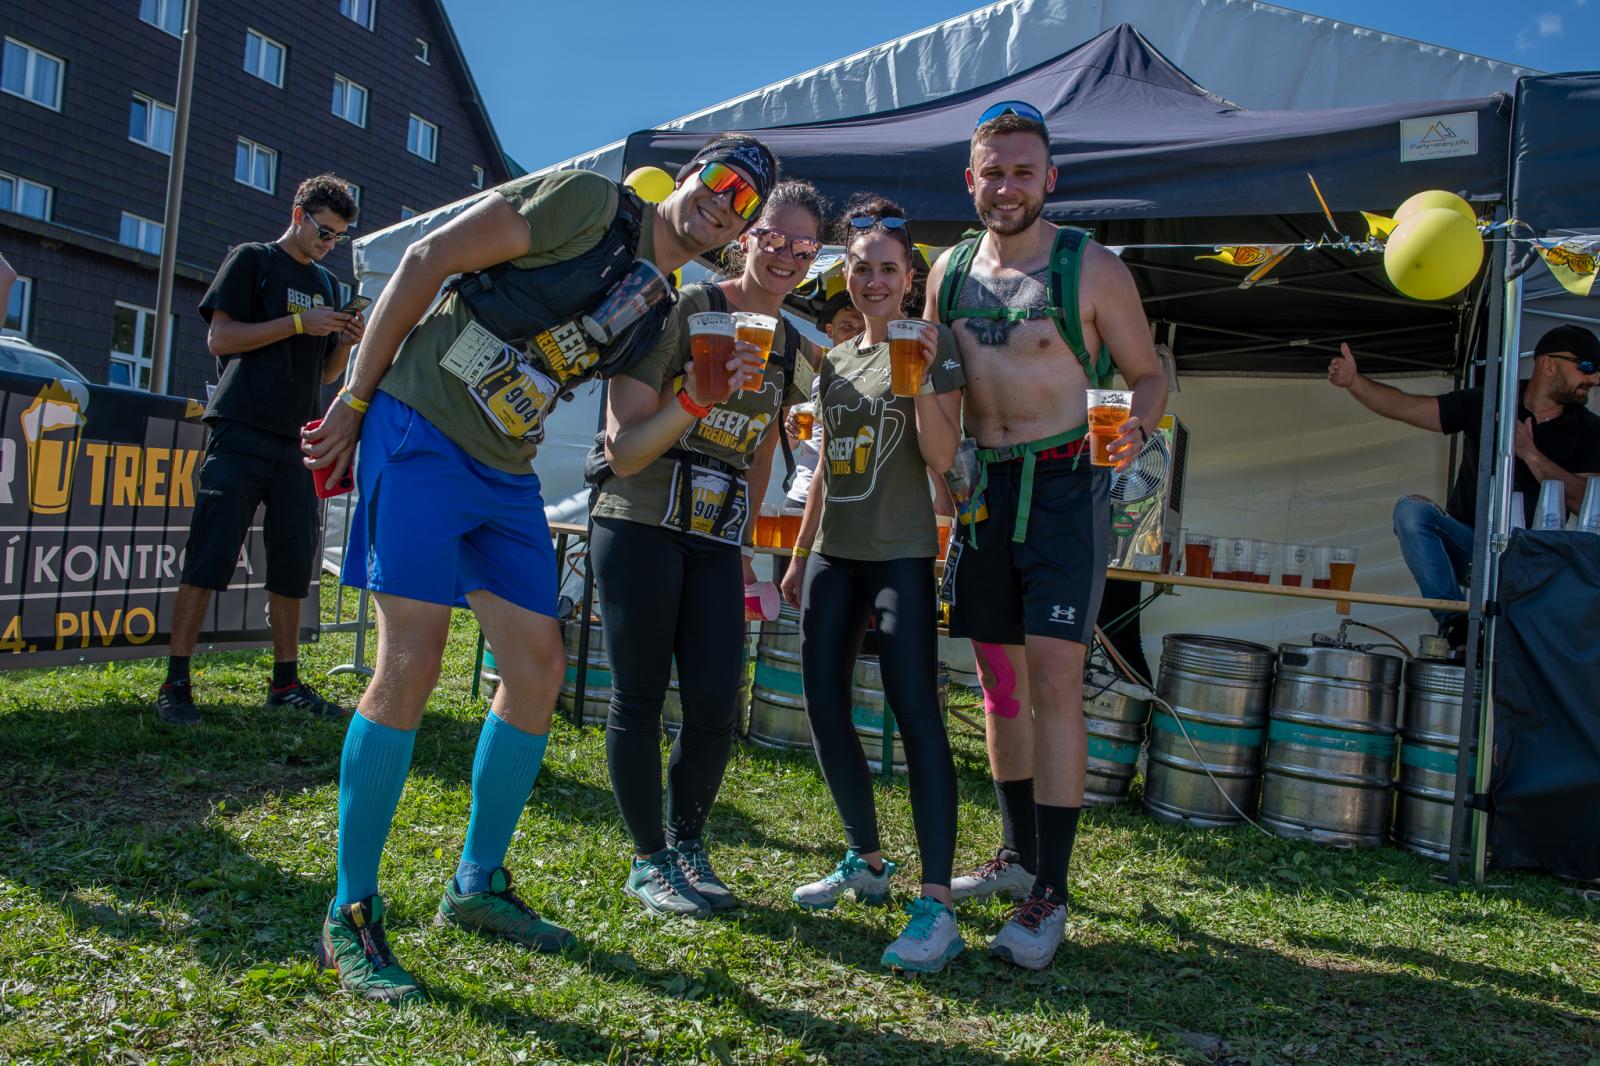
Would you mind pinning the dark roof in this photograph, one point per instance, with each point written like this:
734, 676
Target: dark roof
474, 102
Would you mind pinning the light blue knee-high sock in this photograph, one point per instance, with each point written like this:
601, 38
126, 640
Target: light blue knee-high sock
503, 773
372, 771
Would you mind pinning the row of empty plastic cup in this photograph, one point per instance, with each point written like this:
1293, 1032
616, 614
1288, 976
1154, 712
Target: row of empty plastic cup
1551, 513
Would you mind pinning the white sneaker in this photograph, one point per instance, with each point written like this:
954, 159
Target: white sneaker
1030, 937
851, 875
998, 874
929, 941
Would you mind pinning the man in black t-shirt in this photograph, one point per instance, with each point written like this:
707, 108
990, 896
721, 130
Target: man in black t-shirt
276, 330
1557, 438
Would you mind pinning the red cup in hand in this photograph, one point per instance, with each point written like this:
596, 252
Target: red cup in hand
319, 476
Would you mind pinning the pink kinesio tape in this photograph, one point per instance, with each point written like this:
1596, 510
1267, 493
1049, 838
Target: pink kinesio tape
999, 697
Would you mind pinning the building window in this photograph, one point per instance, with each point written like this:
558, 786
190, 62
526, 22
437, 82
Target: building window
349, 100
345, 293
407, 212
141, 233
32, 74
424, 52
422, 138
133, 340
264, 57
18, 305
150, 123
25, 197
355, 194
164, 14
255, 165
477, 177
362, 11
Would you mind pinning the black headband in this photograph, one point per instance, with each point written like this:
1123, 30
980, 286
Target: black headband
746, 153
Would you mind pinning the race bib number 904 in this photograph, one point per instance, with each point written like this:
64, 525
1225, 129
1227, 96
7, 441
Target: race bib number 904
514, 394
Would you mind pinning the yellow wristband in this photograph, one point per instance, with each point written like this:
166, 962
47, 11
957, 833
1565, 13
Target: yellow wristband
799, 552
299, 326
354, 402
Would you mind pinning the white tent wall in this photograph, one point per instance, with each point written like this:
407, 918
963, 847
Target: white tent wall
1256, 54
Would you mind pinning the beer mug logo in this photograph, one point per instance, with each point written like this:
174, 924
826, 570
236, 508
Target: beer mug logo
753, 430
864, 438
708, 492
51, 427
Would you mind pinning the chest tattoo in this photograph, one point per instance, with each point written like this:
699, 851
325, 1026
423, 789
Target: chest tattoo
989, 332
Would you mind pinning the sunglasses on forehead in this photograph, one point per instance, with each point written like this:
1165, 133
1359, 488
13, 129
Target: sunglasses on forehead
1585, 366
1020, 108
323, 232
866, 222
721, 178
773, 241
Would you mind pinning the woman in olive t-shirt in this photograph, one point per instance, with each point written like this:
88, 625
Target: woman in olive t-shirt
866, 548
668, 531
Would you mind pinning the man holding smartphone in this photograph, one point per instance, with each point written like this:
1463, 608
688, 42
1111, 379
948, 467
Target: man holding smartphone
278, 331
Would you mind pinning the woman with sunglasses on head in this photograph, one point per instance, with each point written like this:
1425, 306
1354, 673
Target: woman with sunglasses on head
865, 549
688, 469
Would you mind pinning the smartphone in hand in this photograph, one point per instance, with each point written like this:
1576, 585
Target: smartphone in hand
356, 305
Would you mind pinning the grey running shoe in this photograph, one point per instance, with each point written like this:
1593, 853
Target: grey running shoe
999, 874
696, 865
175, 704
661, 885
929, 941
302, 697
1030, 937
851, 875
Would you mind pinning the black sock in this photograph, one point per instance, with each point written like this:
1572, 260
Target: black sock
1017, 833
1058, 828
285, 674
177, 670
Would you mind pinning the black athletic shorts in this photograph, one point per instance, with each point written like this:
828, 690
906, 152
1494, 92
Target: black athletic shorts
1050, 584
245, 467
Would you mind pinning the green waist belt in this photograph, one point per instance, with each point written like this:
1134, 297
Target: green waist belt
1029, 454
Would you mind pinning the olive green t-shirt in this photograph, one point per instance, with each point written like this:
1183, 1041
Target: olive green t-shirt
567, 214
878, 504
732, 431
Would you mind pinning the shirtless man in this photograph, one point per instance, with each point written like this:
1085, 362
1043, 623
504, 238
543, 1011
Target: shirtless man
1028, 592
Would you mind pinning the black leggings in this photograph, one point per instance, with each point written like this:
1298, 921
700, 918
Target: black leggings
666, 593
835, 601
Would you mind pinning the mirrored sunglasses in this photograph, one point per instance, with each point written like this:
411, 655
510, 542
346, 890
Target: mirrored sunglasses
744, 199
866, 222
1585, 366
1020, 108
773, 241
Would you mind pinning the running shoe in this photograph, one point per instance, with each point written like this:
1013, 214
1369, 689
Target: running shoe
930, 939
175, 704
696, 866
999, 874
852, 874
499, 911
660, 883
302, 697
353, 945
1033, 932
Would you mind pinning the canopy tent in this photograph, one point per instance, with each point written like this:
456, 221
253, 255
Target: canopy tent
1148, 157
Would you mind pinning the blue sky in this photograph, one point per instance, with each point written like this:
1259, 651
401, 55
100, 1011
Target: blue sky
541, 64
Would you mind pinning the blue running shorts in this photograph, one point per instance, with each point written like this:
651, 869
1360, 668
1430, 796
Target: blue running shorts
432, 523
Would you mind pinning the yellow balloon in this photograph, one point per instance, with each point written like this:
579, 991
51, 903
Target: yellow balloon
651, 183
1433, 254
1434, 198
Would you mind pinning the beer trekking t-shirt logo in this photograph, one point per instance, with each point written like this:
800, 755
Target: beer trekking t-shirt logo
300, 302
862, 431
735, 426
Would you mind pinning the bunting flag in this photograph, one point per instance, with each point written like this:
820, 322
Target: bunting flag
1378, 226
1572, 263
1246, 255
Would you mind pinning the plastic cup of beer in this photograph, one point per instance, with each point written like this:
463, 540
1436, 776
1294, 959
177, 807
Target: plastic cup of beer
1108, 409
757, 330
766, 534
1221, 550
1197, 554
805, 421
1320, 576
1261, 561
906, 363
788, 528
944, 523
1296, 559
1341, 570
1241, 558
711, 336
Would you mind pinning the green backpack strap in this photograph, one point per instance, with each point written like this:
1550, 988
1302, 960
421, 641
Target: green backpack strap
1066, 261
956, 269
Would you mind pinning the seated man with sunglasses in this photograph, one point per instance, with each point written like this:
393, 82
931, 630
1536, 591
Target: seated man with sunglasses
1557, 438
448, 398
276, 330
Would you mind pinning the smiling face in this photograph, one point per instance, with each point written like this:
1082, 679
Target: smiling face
877, 275
778, 272
1009, 178
701, 219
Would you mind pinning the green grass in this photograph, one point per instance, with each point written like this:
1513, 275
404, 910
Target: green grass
159, 893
